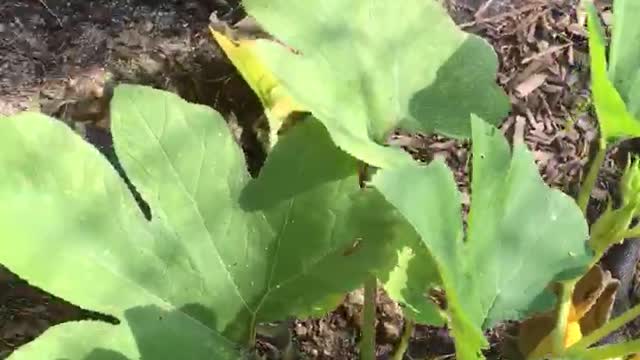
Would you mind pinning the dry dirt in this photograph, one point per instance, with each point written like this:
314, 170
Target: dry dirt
54, 55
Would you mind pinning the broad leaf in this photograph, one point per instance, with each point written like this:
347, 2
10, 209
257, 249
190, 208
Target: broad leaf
365, 67
616, 122
521, 235
222, 251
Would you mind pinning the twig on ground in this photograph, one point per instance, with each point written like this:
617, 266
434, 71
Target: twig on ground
546, 52
483, 9
511, 13
51, 12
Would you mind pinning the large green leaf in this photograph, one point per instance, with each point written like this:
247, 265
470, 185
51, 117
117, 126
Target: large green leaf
616, 122
222, 251
624, 57
521, 235
366, 67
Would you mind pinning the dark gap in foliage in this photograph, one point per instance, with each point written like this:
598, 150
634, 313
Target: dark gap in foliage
103, 141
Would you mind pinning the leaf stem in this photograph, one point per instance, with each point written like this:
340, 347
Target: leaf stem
562, 316
368, 340
632, 233
592, 176
567, 287
613, 351
252, 333
607, 328
407, 331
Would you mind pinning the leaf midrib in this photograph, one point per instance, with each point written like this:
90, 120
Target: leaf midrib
189, 196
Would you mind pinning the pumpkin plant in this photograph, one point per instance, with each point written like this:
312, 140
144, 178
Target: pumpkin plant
224, 252
616, 98
362, 83
332, 208
221, 253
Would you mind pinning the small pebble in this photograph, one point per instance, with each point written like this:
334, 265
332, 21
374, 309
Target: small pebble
147, 26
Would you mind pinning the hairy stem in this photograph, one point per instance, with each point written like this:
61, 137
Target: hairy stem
368, 340
592, 176
407, 331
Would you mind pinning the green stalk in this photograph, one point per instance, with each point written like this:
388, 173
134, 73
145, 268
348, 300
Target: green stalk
632, 233
592, 176
368, 329
606, 329
407, 331
614, 351
252, 333
368, 339
567, 287
562, 316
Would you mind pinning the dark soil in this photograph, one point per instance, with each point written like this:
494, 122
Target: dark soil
57, 56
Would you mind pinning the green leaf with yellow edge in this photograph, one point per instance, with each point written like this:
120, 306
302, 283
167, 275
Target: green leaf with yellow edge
277, 103
616, 122
365, 68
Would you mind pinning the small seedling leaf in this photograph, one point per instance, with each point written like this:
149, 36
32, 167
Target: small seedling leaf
409, 280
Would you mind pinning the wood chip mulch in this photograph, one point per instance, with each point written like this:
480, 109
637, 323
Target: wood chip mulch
542, 47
